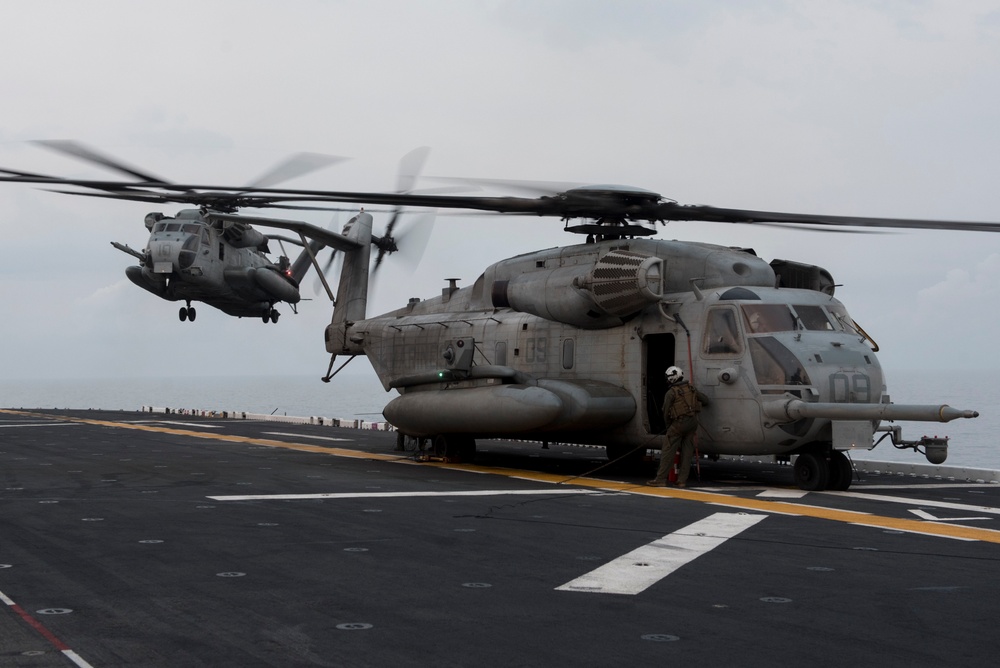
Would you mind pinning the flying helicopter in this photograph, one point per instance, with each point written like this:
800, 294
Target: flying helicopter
210, 254
571, 344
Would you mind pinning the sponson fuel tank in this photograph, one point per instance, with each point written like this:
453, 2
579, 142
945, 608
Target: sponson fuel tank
511, 409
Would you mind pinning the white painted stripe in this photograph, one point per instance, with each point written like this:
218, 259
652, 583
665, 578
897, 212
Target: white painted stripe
782, 494
918, 502
398, 495
924, 515
3, 597
76, 658
318, 438
641, 568
41, 424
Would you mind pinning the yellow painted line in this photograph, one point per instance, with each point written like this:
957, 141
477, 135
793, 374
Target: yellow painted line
755, 504
760, 505
302, 447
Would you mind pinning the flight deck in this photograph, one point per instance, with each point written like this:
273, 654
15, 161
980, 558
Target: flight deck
141, 539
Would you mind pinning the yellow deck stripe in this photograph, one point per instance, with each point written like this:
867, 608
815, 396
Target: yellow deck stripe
761, 505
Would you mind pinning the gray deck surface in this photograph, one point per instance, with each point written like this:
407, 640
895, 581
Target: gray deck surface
116, 550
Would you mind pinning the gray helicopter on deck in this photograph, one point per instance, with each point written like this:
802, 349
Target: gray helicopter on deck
571, 344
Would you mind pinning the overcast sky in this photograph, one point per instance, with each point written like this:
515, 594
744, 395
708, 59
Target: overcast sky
855, 108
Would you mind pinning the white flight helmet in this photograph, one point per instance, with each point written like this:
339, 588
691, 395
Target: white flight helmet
674, 375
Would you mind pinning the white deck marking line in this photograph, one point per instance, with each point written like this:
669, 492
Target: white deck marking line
641, 568
394, 495
918, 502
318, 438
923, 514
41, 424
44, 632
782, 494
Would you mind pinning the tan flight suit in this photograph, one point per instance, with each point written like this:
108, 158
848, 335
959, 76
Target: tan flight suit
680, 410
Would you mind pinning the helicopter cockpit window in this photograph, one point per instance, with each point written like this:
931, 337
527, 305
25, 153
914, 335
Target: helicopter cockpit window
191, 228
159, 227
761, 318
187, 255
844, 321
774, 364
173, 227
722, 335
814, 318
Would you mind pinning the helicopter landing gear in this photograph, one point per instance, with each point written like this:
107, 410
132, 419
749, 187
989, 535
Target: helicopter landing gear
455, 447
812, 471
841, 472
187, 313
817, 470
270, 316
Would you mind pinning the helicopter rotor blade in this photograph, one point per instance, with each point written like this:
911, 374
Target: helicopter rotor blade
87, 154
292, 167
412, 240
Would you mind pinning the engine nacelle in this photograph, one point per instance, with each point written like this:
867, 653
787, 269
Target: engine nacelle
618, 285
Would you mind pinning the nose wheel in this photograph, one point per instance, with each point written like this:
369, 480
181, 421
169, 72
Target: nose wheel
187, 313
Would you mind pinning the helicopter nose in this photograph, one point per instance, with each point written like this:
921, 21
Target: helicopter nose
165, 256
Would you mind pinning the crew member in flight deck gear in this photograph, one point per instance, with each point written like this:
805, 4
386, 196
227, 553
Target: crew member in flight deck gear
680, 411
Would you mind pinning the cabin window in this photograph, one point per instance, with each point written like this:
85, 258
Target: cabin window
501, 353
568, 353
814, 318
762, 318
173, 227
722, 335
774, 364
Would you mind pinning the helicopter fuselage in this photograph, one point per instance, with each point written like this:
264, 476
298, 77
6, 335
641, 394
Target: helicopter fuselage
571, 345
187, 258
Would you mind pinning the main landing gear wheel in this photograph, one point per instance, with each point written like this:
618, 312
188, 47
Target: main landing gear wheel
270, 316
812, 472
187, 313
841, 472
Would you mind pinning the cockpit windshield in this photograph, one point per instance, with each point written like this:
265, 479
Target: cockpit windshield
844, 321
813, 318
189, 228
761, 318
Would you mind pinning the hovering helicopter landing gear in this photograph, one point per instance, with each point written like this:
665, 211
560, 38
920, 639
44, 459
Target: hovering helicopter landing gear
270, 316
187, 313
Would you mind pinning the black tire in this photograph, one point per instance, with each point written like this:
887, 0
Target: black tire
443, 446
841, 472
274, 316
183, 314
191, 314
812, 472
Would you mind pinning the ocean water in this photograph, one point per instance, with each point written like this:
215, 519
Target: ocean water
974, 443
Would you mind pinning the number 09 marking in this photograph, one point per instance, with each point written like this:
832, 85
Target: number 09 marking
853, 388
